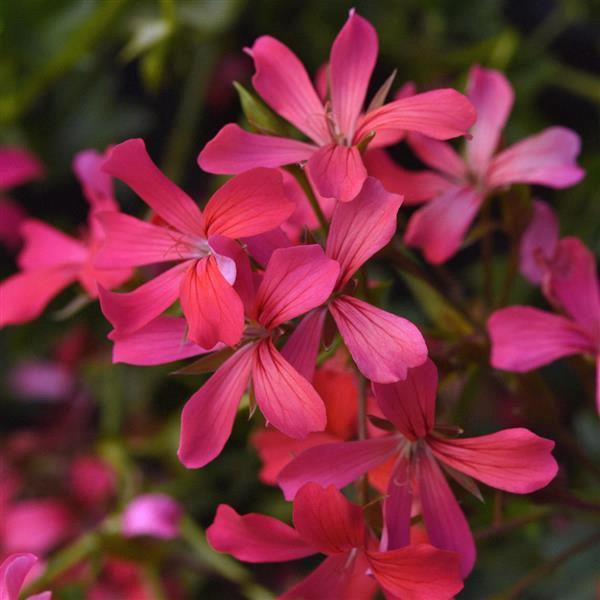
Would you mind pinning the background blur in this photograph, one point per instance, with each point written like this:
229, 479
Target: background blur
78, 74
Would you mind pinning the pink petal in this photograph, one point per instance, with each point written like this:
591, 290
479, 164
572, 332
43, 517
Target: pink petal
440, 226
296, 280
249, 204
130, 311
262, 246
492, 95
13, 571
234, 150
12, 217
17, 166
351, 63
287, 400
524, 338
302, 346
440, 114
398, 505
410, 404
416, 186
574, 283
97, 185
161, 341
40, 596
419, 572
547, 158
383, 345
155, 515
447, 527
361, 228
327, 521
46, 247
440, 156
336, 464
255, 538
514, 460
337, 171
538, 243
284, 85
211, 306
129, 162
207, 417
24, 296
598, 383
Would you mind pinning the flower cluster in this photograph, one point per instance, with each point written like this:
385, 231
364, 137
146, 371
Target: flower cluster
268, 286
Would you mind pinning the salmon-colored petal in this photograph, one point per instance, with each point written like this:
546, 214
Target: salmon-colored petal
383, 345
302, 346
207, 417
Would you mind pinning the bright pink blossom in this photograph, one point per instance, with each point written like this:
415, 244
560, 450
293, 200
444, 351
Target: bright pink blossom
14, 571
201, 244
156, 515
51, 260
335, 127
514, 460
459, 185
326, 522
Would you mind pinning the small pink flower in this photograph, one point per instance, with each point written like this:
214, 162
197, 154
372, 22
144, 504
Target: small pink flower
337, 126
156, 515
326, 522
92, 481
514, 460
14, 571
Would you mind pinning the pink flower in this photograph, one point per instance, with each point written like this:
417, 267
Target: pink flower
205, 272
337, 126
51, 260
325, 522
513, 460
156, 515
459, 185
13, 577
525, 338
92, 481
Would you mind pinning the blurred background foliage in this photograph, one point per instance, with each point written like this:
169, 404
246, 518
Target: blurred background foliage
78, 74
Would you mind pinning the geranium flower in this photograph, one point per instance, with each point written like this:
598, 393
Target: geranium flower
13, 574
514, 460
326, 522
337, 127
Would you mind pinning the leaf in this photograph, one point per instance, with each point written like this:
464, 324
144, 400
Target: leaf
258, 114
382, 93
464, 481
147, 34
381, 423
206, 364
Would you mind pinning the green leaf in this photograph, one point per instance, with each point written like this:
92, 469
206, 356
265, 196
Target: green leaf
206, 364
258, 114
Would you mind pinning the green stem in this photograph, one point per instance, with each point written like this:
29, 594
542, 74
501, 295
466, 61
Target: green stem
363, 482
302, 179
487, 255
510, 525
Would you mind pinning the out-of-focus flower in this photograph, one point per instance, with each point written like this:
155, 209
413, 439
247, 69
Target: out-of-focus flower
156, 515
14, 573
91, 480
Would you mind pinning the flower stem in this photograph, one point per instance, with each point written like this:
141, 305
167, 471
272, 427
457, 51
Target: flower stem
363, 482
302, 179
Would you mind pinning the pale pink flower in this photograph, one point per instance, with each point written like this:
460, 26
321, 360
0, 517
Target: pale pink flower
155, 515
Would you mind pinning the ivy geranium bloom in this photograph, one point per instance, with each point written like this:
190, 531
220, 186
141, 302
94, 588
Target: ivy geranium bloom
51, 260
201, 244
13, 572
525, 338
547, 158
515, 460
337, 127
326, 522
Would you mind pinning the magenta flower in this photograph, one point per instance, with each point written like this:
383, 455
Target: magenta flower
200, 243
525, 338
13, 577
51, 260
156, 515
459, 185
337, 126
514, 460
326, 522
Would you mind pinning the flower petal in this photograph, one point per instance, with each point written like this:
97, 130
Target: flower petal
13, 571
327, 521
397, 506
12, 217
234, 150
524, 338
492, 95
211, 306
296, 280
17, 166
440, 114
207, 417
440, 226
129, 162
283, 83
361, 228
383, 345
155, 515
515, 460
351, 63
335, 464
438, 155
97, 185
446, 525
337, 171
302, 346
547, 158
255, 538
130, 311
287, 400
